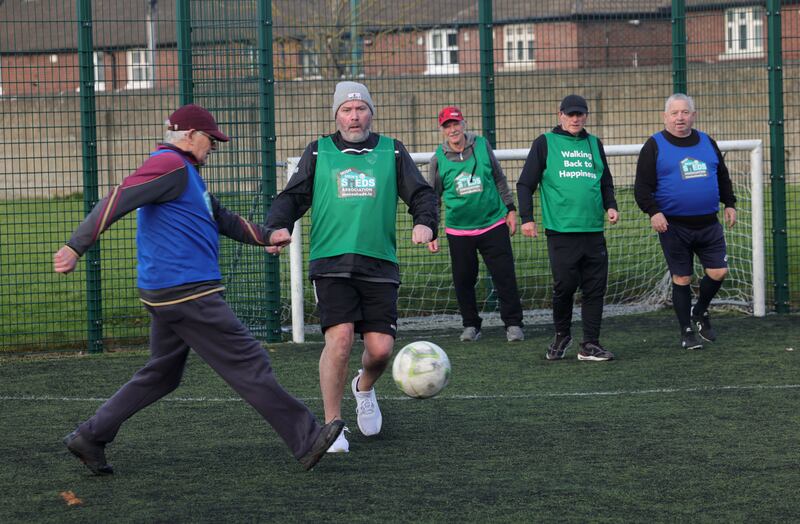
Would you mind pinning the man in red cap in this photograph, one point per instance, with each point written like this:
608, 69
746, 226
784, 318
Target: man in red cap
480, 216
179, 281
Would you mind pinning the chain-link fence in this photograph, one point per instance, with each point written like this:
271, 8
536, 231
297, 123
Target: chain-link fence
85, 88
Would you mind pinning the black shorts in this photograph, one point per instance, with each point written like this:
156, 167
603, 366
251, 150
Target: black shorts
370, 306
680, 243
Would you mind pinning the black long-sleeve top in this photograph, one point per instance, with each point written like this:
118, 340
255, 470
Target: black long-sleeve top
644, 187
293, 202
535, 165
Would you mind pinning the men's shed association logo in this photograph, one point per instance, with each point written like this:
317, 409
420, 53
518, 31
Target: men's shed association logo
466, 184
693, 168
354, 183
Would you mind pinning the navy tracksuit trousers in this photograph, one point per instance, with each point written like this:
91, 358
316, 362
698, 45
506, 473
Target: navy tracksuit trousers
209, 327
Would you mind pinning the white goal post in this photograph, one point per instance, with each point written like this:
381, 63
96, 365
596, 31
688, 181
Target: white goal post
756, 182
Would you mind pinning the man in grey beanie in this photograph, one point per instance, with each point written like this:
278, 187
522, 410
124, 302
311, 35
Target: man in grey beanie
351, 180
347, 91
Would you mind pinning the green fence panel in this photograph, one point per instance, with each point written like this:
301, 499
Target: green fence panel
268, 70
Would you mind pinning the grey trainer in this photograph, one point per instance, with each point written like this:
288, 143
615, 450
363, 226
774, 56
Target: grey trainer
470, 334
514, 334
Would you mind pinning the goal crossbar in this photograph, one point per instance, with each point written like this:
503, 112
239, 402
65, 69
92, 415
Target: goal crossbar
755, 147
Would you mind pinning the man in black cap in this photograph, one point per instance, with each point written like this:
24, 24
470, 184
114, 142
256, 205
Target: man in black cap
577, 193
179, 281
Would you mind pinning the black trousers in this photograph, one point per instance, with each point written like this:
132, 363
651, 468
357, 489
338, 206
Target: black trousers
578, 260
495, 248
209, 327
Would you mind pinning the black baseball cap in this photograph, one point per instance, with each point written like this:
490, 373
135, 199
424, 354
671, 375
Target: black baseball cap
574, 104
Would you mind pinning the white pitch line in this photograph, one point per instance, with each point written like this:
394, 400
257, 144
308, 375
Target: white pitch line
618, 393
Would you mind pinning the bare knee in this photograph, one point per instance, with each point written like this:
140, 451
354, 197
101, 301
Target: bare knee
378, 346
339, 341
681, 280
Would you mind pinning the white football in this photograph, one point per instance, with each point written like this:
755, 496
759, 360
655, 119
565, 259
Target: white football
421, 369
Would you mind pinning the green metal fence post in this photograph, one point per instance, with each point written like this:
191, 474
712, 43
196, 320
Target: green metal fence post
355, 53
266, 93
777, 160
94, 298
679, 46
488, 109
487, 71
183, 21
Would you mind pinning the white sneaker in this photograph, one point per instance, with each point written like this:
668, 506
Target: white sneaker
340, 445
367, 410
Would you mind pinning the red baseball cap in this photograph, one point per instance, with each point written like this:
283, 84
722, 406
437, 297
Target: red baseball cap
450, 113
193, 116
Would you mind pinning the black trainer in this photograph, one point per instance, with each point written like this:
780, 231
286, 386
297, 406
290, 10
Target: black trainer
703, 325
689, 341
328, 435
594, 352
558, 348
92, 454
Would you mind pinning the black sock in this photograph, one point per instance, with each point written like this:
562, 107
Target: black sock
708, 290
682, 302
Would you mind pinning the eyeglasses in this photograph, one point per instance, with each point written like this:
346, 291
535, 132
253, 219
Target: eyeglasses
210, 138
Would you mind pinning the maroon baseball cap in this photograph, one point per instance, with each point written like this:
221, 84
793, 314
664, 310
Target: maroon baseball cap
193, 116
450, 113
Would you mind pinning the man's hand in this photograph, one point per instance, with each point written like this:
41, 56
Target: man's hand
529, 229
730, 216
659, 223
433, 246
279, 239
511, 222
613, 216
64, 260
421, 234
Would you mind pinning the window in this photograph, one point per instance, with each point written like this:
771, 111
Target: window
442, 52
140, 69
99, 71
744, 32
309, 60
519, 46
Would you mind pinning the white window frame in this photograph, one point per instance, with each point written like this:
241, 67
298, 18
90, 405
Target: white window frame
751, 21
309, 60
143, 64
519, 46
440, 53
99, 70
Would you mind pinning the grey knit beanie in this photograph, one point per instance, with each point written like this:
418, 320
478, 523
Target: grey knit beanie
348, 91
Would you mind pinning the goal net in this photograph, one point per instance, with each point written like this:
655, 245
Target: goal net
637, 280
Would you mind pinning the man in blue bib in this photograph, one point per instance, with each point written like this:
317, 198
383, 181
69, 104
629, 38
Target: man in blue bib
681, 178
179, 281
